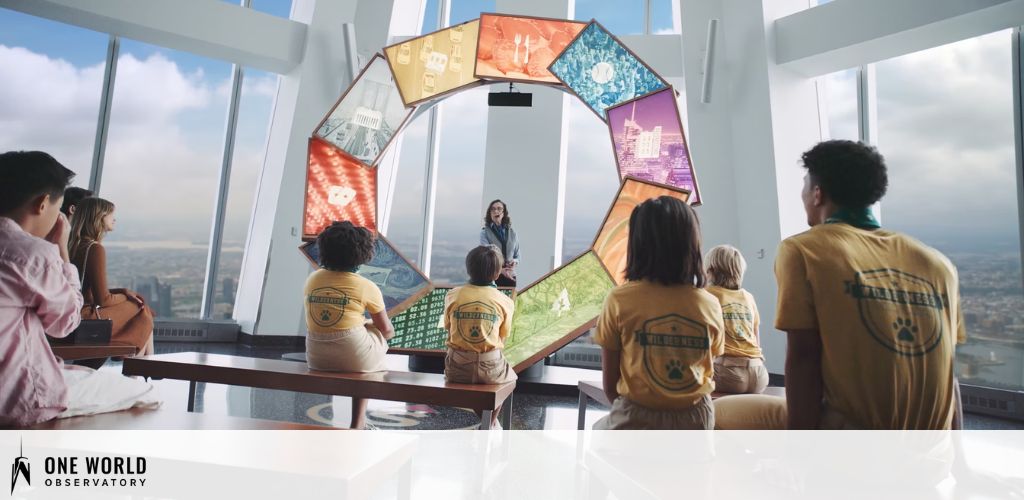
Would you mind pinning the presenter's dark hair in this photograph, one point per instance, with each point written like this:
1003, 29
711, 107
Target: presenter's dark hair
505, 219
343, 246
664, 243
483, 264
24, 175
852, 174
72, 196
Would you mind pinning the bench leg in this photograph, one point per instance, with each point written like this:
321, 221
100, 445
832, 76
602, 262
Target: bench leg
506, 414
191, 396
485, 420
581, 418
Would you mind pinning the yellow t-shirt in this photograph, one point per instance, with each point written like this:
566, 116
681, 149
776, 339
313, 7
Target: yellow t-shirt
336, 300
741, 322
668, 335
478, 318
887, 308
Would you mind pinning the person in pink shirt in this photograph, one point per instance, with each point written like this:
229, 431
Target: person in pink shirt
39, 289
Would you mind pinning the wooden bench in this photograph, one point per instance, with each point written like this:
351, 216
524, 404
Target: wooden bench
147, 419
595, 390
82, 351
423, 388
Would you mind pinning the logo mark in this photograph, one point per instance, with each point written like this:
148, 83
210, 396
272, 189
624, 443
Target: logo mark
902, 312
20, 468
326, 306
738, 321
673, 346
474, 321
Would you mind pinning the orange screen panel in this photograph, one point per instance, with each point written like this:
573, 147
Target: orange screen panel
337, 188
521, 48
610, 245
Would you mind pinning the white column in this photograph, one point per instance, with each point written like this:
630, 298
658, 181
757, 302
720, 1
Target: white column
525, 160
746, 143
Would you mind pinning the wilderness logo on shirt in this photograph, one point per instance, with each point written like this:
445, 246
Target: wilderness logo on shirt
474, 321
673, 347
903, 312
326, 306
738, 321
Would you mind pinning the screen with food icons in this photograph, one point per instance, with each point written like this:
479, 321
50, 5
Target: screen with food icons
435, 64
520, 49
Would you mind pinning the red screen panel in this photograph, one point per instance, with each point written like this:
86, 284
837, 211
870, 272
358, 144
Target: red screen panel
337, 188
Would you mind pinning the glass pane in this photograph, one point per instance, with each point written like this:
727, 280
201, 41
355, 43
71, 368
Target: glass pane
430, 17
458, 214
593, 176
255, 106
162, 163
405, 229
946, 128
621, 17
51, 88
279, 8
662, 17
841, 104
466, 10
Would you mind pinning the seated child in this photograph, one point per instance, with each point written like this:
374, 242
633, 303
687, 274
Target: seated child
39, 296
339, 338
660, 331
741, 368
478, 318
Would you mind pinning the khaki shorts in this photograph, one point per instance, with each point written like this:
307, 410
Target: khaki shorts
626, 414
740, 375
357, 350
468, 367
744, 412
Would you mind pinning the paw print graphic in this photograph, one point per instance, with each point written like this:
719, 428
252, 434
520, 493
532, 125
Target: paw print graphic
905, 329
675, 370
474, 332
325, 316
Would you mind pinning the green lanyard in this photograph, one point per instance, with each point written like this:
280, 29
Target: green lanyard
857, 217
491, 284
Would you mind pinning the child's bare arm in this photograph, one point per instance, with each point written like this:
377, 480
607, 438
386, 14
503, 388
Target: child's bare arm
382, 322
610, 373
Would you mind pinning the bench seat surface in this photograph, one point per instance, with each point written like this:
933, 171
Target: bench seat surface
427, 388
145, 419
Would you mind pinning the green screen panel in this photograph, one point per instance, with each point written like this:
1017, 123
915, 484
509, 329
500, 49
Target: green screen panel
421, 327
556, 309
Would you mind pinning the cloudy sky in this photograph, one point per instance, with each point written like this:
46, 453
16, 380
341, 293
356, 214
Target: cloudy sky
945, 126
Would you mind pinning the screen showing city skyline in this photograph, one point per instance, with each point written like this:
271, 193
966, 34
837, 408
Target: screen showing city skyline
338, 188
368, 115
520, 48
650, 143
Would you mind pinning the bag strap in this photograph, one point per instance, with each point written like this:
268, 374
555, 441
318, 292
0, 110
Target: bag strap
85, 262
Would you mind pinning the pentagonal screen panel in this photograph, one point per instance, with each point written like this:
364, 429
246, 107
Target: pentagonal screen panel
613, 239
556, 309
420, 328
401, 282
435, 64
649, 141
602, 72
367, 116
520, 48
338, 188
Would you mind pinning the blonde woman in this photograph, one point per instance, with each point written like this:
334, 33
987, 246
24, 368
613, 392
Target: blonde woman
133, 321
741, 368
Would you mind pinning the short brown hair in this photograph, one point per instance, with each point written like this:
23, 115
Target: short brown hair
664, 243
726, 266
343, 246
483, 264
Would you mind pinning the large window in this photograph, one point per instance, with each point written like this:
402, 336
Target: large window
254, 109
50, 89
163, 159
458, 215
840, 99
946, 128
621, 17
405, 227
592, 175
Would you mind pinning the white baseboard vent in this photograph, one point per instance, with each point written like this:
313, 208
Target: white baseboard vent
194, 330
579, 355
